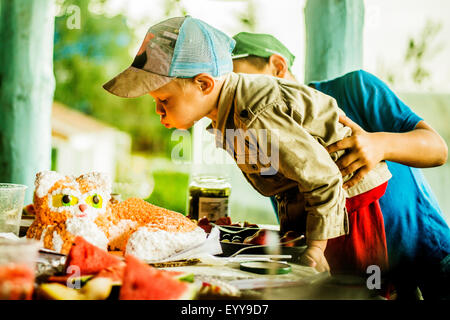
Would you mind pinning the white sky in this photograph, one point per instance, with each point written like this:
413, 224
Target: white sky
388, 25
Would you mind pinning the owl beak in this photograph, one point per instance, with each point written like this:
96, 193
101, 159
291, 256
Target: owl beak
83, 207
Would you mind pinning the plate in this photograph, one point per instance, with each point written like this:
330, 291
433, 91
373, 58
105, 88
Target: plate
266, 267
179, 263
229, 248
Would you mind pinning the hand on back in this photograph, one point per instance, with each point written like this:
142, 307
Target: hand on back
364, 152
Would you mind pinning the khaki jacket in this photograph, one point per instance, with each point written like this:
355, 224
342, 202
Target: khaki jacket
277, 132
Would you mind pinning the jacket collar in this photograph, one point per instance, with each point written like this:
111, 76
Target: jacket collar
225, 105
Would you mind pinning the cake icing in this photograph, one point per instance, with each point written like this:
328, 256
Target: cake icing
68, 206
155, 244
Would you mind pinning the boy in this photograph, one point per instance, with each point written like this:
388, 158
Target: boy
418, 238
186, 67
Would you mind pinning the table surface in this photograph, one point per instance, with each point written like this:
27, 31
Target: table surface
305, 282
311, 285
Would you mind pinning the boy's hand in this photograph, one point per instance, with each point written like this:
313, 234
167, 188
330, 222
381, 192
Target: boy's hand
314, 256
364, 152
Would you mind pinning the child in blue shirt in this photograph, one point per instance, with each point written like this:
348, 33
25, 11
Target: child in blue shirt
418, 237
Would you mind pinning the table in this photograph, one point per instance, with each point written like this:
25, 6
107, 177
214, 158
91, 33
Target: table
310, 284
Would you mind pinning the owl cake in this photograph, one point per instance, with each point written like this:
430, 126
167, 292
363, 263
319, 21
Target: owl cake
68, 206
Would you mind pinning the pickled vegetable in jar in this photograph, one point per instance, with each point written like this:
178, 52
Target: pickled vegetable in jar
208, 197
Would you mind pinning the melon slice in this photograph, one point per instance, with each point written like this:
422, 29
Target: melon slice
114, 273
182, 276
95, 289
69, 279
89, 258
143, 282
57, 291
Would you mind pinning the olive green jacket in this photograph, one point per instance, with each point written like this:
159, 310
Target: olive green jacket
277, 132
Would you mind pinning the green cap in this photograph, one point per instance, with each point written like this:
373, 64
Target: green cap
260, 45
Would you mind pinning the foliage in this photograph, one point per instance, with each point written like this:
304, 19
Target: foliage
174, 8
420, 51
86, 58
170, 190
248, 19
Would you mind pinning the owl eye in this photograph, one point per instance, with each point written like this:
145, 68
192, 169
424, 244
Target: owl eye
64, 200
95, 201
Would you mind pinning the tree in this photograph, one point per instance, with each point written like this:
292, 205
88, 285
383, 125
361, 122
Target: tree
420, 51
249, 19
423, 49
87, 57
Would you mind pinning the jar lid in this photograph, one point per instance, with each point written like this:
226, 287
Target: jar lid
210, 181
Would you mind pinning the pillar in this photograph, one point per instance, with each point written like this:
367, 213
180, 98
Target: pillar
334, 38
26, 89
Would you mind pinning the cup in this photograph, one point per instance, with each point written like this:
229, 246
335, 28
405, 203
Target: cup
17, 268
11, 206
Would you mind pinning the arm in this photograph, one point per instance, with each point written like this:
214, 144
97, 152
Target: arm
304, 160
301, 158
314, 255
390, 130
422, 147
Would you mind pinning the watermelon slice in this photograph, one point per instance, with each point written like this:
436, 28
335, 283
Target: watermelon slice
114, 273
179, 275
89, 258
143, 282
69, 277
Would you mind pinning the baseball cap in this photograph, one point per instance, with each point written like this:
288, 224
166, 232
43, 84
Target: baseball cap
177, 47
260, 45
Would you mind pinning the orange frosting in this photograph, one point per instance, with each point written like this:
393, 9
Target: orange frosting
138, 212
148, 214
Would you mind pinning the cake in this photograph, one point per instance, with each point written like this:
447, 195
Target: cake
68, 206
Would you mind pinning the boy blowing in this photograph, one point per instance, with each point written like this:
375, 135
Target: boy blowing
276, 131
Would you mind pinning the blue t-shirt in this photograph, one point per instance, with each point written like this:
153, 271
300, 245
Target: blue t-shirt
414, 224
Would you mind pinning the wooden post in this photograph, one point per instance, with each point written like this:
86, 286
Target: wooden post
334, 38
26, 89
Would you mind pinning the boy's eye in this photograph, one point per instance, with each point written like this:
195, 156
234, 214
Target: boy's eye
164, 101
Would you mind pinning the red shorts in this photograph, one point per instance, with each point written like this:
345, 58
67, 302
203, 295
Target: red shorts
365, 244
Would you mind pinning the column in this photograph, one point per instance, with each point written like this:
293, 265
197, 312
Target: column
334, 38
26, 89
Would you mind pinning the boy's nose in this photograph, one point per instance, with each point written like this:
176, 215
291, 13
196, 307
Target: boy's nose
160, 110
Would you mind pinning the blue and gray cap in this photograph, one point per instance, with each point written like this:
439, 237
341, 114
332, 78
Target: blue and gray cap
178, 47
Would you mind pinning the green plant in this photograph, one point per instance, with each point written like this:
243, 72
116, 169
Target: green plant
86, 58
420, 50
170, 190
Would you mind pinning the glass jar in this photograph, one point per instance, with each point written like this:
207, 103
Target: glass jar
208, 197
17, 268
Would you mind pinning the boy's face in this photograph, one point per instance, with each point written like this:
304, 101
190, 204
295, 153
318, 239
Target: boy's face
180, 104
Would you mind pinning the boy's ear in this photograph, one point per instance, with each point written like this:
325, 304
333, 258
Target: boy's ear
278, 66
205, 82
